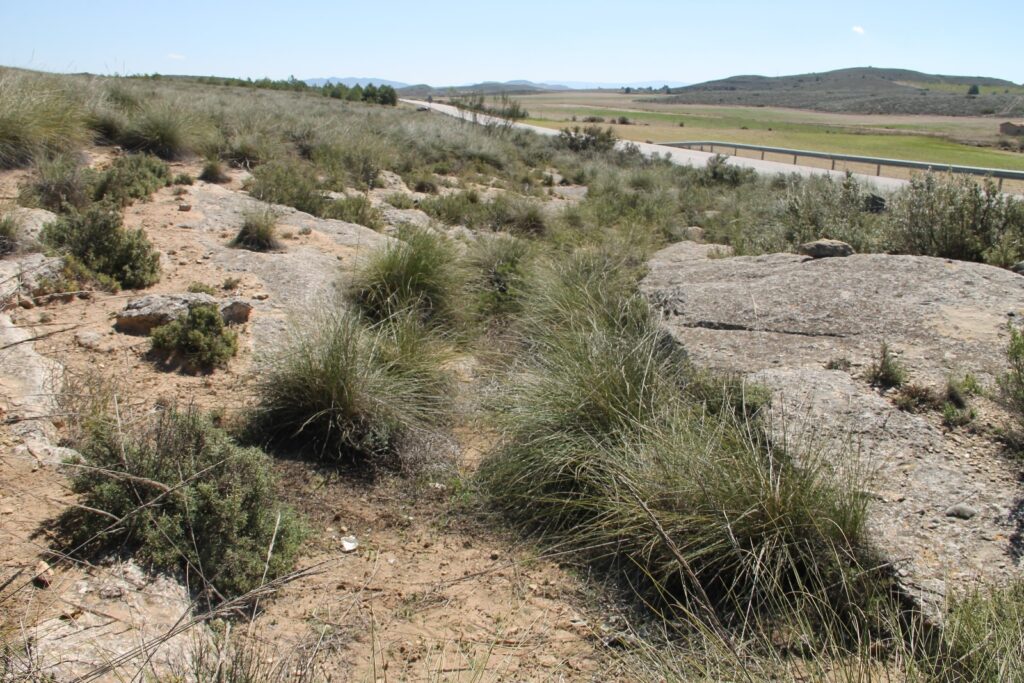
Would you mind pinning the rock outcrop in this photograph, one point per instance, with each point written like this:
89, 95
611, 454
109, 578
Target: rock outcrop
141, 315
782, 320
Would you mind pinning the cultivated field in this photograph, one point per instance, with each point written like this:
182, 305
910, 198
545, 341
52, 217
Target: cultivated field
968, 141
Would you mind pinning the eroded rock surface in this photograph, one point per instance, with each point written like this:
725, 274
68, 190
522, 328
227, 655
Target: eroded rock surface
782, 319
141, 315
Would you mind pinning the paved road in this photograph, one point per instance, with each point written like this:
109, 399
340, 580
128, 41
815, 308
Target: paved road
683, 157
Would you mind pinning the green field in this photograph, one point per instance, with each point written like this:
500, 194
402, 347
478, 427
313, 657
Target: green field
936, 139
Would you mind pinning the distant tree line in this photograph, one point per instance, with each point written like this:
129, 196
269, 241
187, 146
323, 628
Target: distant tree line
384, 94
663, 89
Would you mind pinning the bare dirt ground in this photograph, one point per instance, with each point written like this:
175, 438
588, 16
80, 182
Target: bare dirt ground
431, 593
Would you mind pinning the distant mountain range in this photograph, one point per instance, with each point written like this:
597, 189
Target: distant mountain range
862, 90
488, 87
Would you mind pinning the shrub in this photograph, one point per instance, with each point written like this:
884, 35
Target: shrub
589, 139
424, 184
202, 288
289, 182
183, 179
9, 227
213, 172
59, 183
1012, 383
400, 200
96, 238
955, 217
915, 398
461, 208
418, 274
886, 371
258, 231
357, 209
351, 390
186, 497
160, 129
820, 207
498, 275
518, 216
718, 170
38, 119
199, 341
133, 176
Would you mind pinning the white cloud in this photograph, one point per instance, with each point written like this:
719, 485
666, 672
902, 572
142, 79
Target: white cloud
859, 30
175, 56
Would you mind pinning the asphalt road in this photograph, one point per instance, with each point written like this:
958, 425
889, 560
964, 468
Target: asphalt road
683, 157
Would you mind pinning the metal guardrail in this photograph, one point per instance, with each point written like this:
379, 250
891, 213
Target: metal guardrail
1000, 174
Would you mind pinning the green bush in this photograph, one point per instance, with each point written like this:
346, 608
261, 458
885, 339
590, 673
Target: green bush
886, 371
96, 238
498, 277
460, 208
131, 177
589, 139
417, 274
39, 118
258, 231
183, 179
400, 200
200, 341
954, 216
516, 215
349, 390
1012, 382
820, 207
58, 184
202, 288
185, 497
213, 172
356, 209
289, 182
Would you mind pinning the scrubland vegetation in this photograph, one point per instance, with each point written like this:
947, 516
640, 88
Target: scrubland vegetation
612, 448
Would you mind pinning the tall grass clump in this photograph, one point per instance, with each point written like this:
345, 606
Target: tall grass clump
162, 129
290, 182
184, 497
606, 450
96, 238
9, 228
419, 274
213, 172
348, 390
258, 231
39, 118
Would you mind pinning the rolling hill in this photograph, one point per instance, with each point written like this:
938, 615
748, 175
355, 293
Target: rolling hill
864, 90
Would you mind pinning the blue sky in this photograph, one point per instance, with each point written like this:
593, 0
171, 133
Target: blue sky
444, 43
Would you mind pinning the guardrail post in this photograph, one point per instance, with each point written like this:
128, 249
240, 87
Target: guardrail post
878, 170
735, 151
794, 160
1000, 184
762, 155
833, 164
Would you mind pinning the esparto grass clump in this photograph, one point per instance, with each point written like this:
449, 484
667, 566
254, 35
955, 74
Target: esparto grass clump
258, 231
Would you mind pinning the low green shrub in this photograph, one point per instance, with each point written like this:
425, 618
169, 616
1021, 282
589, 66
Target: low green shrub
96, 238
258, 231
400, 200
718, 170
356, 209
589, 139
954, 216
183, 179
58, 184
199, 342
202, 288
348, 390
289, 182
516, 215
1011, 383
418, 274
213, 172
886, 371
131, 177
498, 275
185, 497
460, 208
